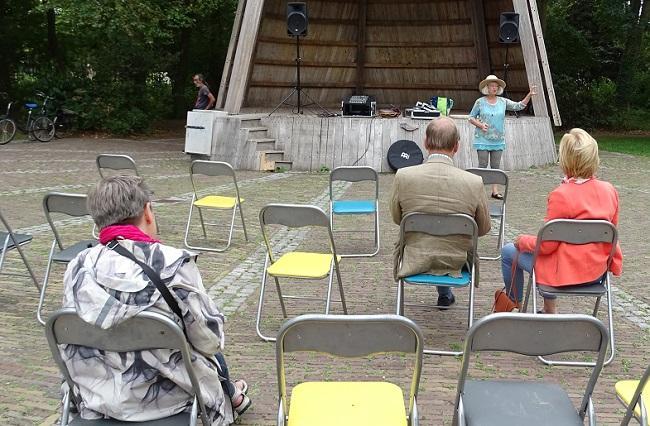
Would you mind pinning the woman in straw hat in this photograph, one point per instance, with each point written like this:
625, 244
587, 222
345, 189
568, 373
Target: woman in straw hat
488, 115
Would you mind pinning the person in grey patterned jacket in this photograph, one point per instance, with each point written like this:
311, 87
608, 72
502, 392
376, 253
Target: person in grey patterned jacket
106, 289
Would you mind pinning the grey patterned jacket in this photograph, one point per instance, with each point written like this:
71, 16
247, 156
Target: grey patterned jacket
106, 288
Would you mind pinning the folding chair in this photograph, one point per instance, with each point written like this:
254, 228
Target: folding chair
145, 331
440, 225
355, 207
497, 207
10, 241
115, 162
636, 398
72, 205
577, 232
214, 202
295, 264
348, 403
502, 402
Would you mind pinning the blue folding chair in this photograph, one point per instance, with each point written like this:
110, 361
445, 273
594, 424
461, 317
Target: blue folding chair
341, 207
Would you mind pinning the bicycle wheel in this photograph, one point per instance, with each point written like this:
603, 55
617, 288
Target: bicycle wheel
7, 130
42, 128
62, 126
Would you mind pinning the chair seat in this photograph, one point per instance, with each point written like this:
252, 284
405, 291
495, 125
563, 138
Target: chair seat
347, 403
67, 254
30, 105
496, 209
353, 206
175, 420
518, 403
625, 390
20, 238
217, 202
589, 289
302, 265
440, 280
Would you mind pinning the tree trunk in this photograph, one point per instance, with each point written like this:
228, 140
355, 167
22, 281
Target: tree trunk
52, 40
639, 15
181, 74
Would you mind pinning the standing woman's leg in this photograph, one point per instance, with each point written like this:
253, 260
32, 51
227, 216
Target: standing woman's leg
495, 163
483, 157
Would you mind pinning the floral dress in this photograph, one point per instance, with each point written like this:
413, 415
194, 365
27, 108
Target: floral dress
494, 116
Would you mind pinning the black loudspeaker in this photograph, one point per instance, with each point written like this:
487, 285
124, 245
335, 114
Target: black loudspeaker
509, 27
297, 19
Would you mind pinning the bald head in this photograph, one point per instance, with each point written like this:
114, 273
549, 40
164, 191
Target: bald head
442, 135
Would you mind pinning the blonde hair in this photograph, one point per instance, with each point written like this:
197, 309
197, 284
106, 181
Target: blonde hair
579, 154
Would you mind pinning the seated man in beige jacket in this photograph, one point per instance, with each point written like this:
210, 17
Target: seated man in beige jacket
437, 186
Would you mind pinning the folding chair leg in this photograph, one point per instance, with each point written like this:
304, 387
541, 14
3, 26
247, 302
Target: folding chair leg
205, 234
260, 304
189, 222
4, 250
328, 298
211, 249
280, 296
400, 298
27, 265
46, 278
338, 278
500, 239
243, 223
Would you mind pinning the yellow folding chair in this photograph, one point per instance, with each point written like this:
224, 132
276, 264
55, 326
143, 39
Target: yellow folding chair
295, 264
214, 202
635, 396
358, 403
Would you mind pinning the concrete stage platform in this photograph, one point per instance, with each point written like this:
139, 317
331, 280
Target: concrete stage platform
308, 142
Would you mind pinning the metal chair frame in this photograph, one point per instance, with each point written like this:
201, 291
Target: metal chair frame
349, 336
115, 162
439, 225
355, 174
577, 232
535, 335
495, 177
10, 242
637, 400
213, 168
145, 331
296, 216
71, 205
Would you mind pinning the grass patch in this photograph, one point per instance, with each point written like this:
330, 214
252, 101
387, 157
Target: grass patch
626, 144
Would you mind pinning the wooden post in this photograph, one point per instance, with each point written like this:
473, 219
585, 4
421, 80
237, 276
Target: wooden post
530, 57
244, 56
480, 39
227, 66
361, 46
541, 45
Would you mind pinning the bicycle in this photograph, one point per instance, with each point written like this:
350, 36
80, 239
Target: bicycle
40, 127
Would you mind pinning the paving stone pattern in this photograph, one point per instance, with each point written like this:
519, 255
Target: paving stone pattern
30, 380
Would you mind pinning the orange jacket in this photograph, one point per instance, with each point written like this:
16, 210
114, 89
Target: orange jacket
561, 264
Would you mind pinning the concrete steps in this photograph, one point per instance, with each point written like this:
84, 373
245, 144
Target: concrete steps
270, 158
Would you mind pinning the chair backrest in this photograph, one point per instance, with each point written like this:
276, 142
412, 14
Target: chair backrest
63, 203
354, 174
537, 335
578, 232
145, 331
294, 216
438, 225
629, 413
115, 162
349, 336
491, 176
212, 168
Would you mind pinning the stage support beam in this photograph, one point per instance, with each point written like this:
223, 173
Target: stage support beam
529, 50
242, 64
361, 47
227, 66
480, 38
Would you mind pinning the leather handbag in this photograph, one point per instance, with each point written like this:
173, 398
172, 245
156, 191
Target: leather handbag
502, 300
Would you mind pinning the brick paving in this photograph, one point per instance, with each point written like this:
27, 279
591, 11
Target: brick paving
30, 380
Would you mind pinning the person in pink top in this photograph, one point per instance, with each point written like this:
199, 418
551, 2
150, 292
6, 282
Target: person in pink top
580, 196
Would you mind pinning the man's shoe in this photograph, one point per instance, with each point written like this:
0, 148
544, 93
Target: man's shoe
444, 302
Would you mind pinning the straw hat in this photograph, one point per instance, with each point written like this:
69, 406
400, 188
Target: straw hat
482, 86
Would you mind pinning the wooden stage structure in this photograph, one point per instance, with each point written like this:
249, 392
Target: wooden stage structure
400, 52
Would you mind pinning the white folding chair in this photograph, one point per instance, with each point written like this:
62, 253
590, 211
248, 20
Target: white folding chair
145, 331
10, 241
636, 399
296, 264
214, 202
348, 403
440, 225
580, 232
497, 207
344, 207
71, 205
518, 402
115, 162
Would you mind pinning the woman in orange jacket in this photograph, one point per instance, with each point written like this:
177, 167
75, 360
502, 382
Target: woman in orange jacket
580, 196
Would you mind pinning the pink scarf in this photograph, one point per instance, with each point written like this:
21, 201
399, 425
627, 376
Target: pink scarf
125, 232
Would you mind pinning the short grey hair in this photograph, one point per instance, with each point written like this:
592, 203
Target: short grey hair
118, 199
442, 134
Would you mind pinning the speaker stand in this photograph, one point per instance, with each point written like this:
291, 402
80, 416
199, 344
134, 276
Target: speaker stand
506, 67
299, 92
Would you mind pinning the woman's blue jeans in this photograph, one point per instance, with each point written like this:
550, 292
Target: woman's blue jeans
524, 263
